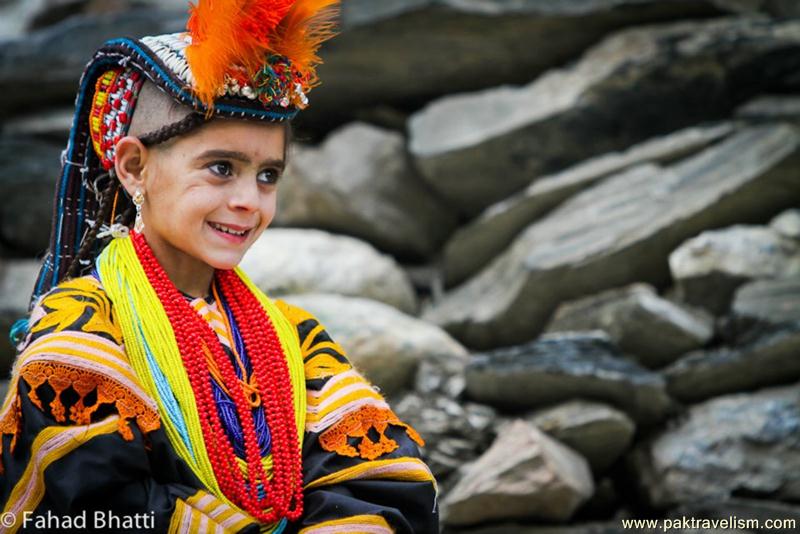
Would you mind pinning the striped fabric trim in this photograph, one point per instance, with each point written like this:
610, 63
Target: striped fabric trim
341, 395
202, 512
52, 443
212, 315
90, 352
357, 524
406, 469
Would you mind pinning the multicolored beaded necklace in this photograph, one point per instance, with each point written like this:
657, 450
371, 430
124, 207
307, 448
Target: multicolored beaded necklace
199, 346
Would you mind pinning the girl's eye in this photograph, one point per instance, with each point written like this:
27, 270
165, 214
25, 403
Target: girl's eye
269, 176
221, 168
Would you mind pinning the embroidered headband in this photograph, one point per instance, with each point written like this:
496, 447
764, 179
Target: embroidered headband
244, 59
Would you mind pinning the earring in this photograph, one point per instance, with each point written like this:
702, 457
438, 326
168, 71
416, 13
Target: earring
138, 200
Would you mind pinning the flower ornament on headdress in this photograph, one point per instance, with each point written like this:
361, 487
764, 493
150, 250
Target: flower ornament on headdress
262, 50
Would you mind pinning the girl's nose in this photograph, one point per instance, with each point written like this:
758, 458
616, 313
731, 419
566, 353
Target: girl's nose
245, 194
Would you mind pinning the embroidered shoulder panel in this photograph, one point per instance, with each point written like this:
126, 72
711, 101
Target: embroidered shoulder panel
74, 343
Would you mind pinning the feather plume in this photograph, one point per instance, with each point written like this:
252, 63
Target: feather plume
299, 35
228, 33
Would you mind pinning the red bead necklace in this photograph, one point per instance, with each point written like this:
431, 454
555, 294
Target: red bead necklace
197, 341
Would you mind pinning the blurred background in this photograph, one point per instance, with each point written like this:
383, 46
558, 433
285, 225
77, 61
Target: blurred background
562, 236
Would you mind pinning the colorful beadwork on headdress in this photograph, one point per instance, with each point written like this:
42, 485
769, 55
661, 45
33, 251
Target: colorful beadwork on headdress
112, 109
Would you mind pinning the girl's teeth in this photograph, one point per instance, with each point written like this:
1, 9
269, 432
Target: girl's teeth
227, 230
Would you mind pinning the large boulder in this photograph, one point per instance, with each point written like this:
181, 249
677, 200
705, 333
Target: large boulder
524, 474
622, 231
382, 342
708, 268
787, 223
653, 330
292, 261
17, 278
27, 186
744, 444
772, 301
372, 192
771, 359
562, 367
600, 433
404, 52
478, 148
474, 245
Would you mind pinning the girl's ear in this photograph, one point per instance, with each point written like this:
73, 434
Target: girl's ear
131, 156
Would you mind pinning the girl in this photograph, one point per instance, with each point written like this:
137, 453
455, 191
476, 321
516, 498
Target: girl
156, 388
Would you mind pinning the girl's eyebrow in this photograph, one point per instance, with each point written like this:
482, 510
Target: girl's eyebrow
240, 156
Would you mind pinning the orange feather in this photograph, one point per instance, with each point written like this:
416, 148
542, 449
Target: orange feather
226, 34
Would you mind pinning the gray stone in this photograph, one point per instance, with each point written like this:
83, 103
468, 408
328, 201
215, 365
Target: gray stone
653, 330
773, 301
736, 444
478, 148
771, 108
17, 16
708, 268
622, 231
382, 342
372, 192
787, 223
771, 359
475, 244
293, 261
422, 49
524, 474
454, 432
50, 123
27, 185
598, 432
562, 367
17, 278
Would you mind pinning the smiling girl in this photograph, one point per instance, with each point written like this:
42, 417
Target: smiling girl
154, 379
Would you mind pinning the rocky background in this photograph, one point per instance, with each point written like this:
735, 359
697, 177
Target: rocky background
562, 236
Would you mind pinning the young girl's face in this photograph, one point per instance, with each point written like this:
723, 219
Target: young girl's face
210, 194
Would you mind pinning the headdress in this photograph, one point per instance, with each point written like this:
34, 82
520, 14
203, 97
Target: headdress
245, 59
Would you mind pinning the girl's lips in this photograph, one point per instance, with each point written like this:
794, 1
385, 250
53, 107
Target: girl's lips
237, 239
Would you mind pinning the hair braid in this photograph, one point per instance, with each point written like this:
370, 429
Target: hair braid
183, 126
102, 212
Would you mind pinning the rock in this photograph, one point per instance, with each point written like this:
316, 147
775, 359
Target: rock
443, 376
771, 359
621, 231
524, 474
474, 245
373, 193
454, 433
17, 278
598, 432
708, 268
16, 16
565, 367
382, 342
292, 261
436, 41
27, 186
652, 329
771, 108
53, 124
744, 444
787, 223
773, 301
602, 103
51, 60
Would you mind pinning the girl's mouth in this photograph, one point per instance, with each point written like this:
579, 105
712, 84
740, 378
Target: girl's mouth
235, 234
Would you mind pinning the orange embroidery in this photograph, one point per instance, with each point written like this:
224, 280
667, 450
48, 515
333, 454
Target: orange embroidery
357, 425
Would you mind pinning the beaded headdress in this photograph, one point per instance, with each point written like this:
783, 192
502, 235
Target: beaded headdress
244, 59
